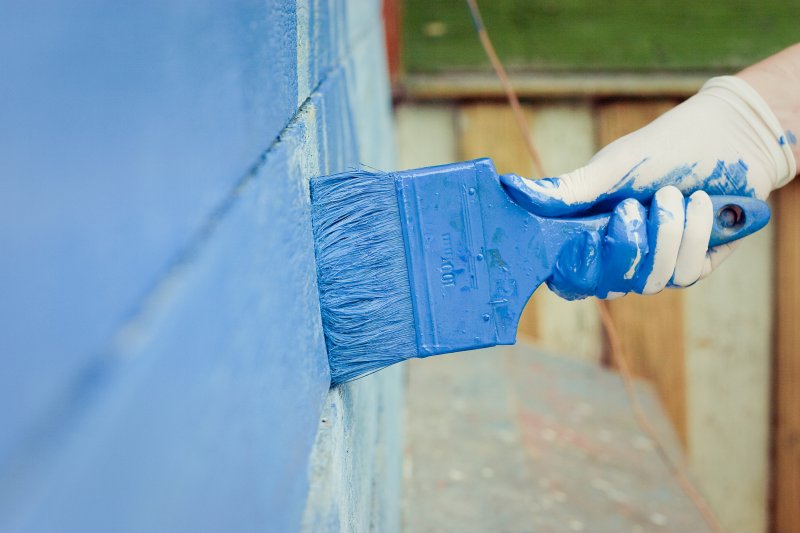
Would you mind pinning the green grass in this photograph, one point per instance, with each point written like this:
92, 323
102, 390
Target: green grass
599, 35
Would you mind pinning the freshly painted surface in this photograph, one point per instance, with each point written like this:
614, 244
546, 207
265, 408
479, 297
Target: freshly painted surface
164, 366
355, 465
124, 128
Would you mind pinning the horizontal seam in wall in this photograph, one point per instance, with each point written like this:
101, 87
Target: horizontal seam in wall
216, 216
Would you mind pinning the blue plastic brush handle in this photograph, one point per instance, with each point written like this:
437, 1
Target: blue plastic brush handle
736, 217
474, 256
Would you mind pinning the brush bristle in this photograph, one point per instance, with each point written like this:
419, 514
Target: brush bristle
363, 281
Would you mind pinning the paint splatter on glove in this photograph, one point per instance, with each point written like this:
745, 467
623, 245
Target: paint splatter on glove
723, 140
641, 251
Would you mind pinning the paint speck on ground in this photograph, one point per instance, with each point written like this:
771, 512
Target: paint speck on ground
456, 475
576, 525
658, 519
458, 406
408, 467
506, 436
549, 434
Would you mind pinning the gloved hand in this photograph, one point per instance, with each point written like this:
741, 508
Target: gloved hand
723, 140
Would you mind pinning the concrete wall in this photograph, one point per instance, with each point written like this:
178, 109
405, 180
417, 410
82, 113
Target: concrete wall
163, 366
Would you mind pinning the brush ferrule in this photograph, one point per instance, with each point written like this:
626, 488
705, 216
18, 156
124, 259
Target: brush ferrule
454, 300
474, 256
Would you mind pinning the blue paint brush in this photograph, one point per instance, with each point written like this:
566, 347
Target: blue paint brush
440, 259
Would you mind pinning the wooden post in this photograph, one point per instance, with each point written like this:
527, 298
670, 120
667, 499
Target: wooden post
786, 373
393, 31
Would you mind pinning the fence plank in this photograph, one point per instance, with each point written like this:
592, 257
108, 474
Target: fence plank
727, 320
425, 135
489, 130
786, 395
651, 327
564, 136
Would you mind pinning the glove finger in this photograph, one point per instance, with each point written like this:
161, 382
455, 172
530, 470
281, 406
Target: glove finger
624, 248
694, 245
716, 256
550, 197
664, 232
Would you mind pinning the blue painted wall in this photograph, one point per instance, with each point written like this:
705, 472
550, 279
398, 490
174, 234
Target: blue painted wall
163, 367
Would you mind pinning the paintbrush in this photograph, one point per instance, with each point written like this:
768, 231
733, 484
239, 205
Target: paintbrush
440, 259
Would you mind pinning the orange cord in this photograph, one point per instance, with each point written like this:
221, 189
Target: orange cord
511, 95
609, 327
677, 470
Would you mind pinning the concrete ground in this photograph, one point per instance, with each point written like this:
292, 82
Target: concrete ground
512, 440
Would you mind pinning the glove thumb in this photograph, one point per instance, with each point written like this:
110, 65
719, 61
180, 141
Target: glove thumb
567, 194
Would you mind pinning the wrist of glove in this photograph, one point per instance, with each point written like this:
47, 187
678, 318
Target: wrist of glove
723, 140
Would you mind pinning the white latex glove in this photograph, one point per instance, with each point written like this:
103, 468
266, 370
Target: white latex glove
723, 140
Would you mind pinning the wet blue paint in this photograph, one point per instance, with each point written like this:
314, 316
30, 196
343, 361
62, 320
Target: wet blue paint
728, 179
546, 205
540, 196
577, 270
624, 247
790, 136
621, 261
345, 208
465, 281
